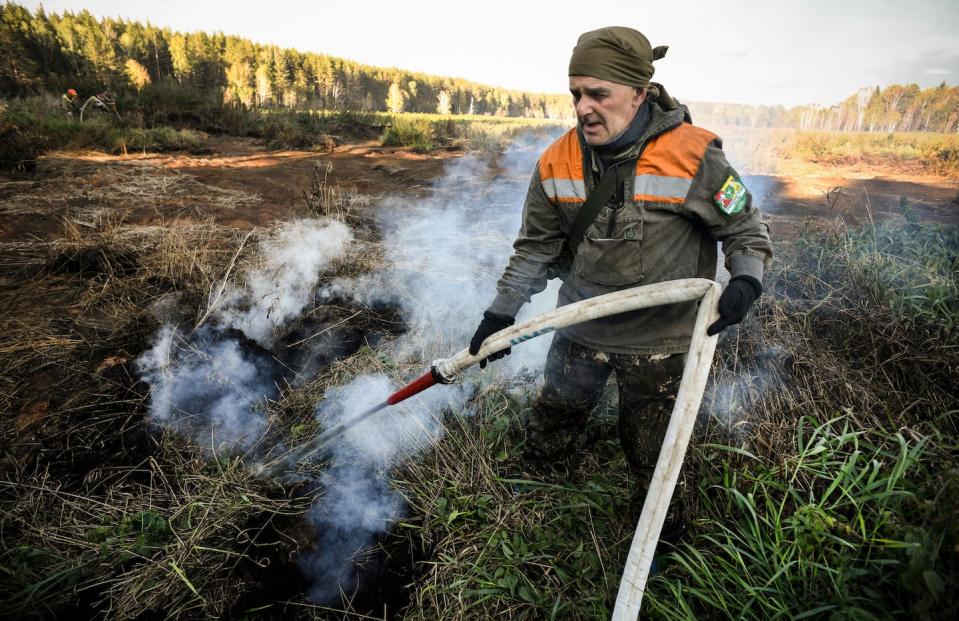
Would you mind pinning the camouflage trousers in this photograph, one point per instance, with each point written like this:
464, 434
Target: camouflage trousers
575, 379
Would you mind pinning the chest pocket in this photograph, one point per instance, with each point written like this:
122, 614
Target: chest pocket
611, 251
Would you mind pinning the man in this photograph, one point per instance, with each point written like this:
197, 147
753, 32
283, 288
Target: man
70, 101
674, 195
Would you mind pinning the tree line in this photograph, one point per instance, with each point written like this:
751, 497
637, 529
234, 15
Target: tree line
42, 51
904, 108
896, 108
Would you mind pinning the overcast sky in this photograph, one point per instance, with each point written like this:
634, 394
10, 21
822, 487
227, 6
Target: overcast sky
749, 51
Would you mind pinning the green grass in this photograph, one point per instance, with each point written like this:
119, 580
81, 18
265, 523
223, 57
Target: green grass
837, 529
802, 152
423, 132
505, 544
833, 496
912, 268
417, 134
932, 153
36, 125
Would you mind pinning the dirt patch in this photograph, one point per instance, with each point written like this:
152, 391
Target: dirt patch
788, 201
241, 186
244, 185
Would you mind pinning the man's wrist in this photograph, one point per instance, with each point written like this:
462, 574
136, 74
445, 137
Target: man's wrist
753, 282
499, 318
506, 305
747, 265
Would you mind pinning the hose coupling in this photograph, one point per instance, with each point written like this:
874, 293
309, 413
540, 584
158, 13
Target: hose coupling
443, 371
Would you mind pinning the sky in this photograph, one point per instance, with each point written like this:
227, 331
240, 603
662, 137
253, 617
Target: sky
742, 51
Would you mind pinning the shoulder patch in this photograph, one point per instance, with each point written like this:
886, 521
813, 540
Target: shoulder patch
731, 198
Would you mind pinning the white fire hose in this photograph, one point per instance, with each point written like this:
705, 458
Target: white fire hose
681, 422
678, 433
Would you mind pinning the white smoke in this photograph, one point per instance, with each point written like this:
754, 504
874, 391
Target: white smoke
282, 284
444, 254
359, 503
732, 395
210, 385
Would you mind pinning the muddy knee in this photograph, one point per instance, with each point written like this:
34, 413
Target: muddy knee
554, 428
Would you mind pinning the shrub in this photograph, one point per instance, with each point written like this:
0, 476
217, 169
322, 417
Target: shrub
415, 134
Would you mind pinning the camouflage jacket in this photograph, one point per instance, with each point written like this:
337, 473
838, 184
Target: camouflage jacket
662, 224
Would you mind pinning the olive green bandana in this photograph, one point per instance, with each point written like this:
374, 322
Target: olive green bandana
617, 54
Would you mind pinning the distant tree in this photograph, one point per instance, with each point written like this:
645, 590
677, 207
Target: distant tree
239, 57
264, 85
18, 72
136, 73
396, 99
182, 63
412, 91
443, 103
42, 51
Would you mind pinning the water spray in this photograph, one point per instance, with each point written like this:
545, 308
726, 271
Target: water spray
678, 433
314, 446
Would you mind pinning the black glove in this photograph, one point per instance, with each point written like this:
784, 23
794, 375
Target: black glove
492, 323
735, 302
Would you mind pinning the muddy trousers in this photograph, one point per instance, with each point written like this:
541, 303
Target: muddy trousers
575, 379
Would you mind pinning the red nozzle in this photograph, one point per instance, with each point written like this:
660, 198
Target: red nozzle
415, 387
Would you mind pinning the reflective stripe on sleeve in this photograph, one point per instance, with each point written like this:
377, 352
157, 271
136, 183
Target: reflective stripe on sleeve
653, 187
565, 190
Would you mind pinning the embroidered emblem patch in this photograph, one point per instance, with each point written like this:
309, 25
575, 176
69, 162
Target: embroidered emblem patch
731, 198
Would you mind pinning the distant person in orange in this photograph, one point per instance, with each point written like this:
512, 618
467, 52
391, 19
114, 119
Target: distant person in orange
635, 194
71, 102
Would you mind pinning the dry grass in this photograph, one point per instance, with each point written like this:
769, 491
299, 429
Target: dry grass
99, 511
775, 151
98, 192
172, 533
328, 199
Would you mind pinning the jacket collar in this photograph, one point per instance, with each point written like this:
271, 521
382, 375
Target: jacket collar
659, 121
627, 137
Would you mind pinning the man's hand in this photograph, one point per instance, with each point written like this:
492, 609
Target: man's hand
735, 302
492, 323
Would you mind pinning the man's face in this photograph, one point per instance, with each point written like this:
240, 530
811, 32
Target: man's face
604, 109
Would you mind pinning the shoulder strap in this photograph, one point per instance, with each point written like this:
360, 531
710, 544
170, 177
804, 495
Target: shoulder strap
596, 200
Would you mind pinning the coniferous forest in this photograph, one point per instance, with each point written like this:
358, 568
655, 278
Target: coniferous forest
50, 52
43, 51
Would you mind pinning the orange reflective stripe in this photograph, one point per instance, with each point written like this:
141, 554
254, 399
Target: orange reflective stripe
669, 163
677, 153
663, 173
561, 170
